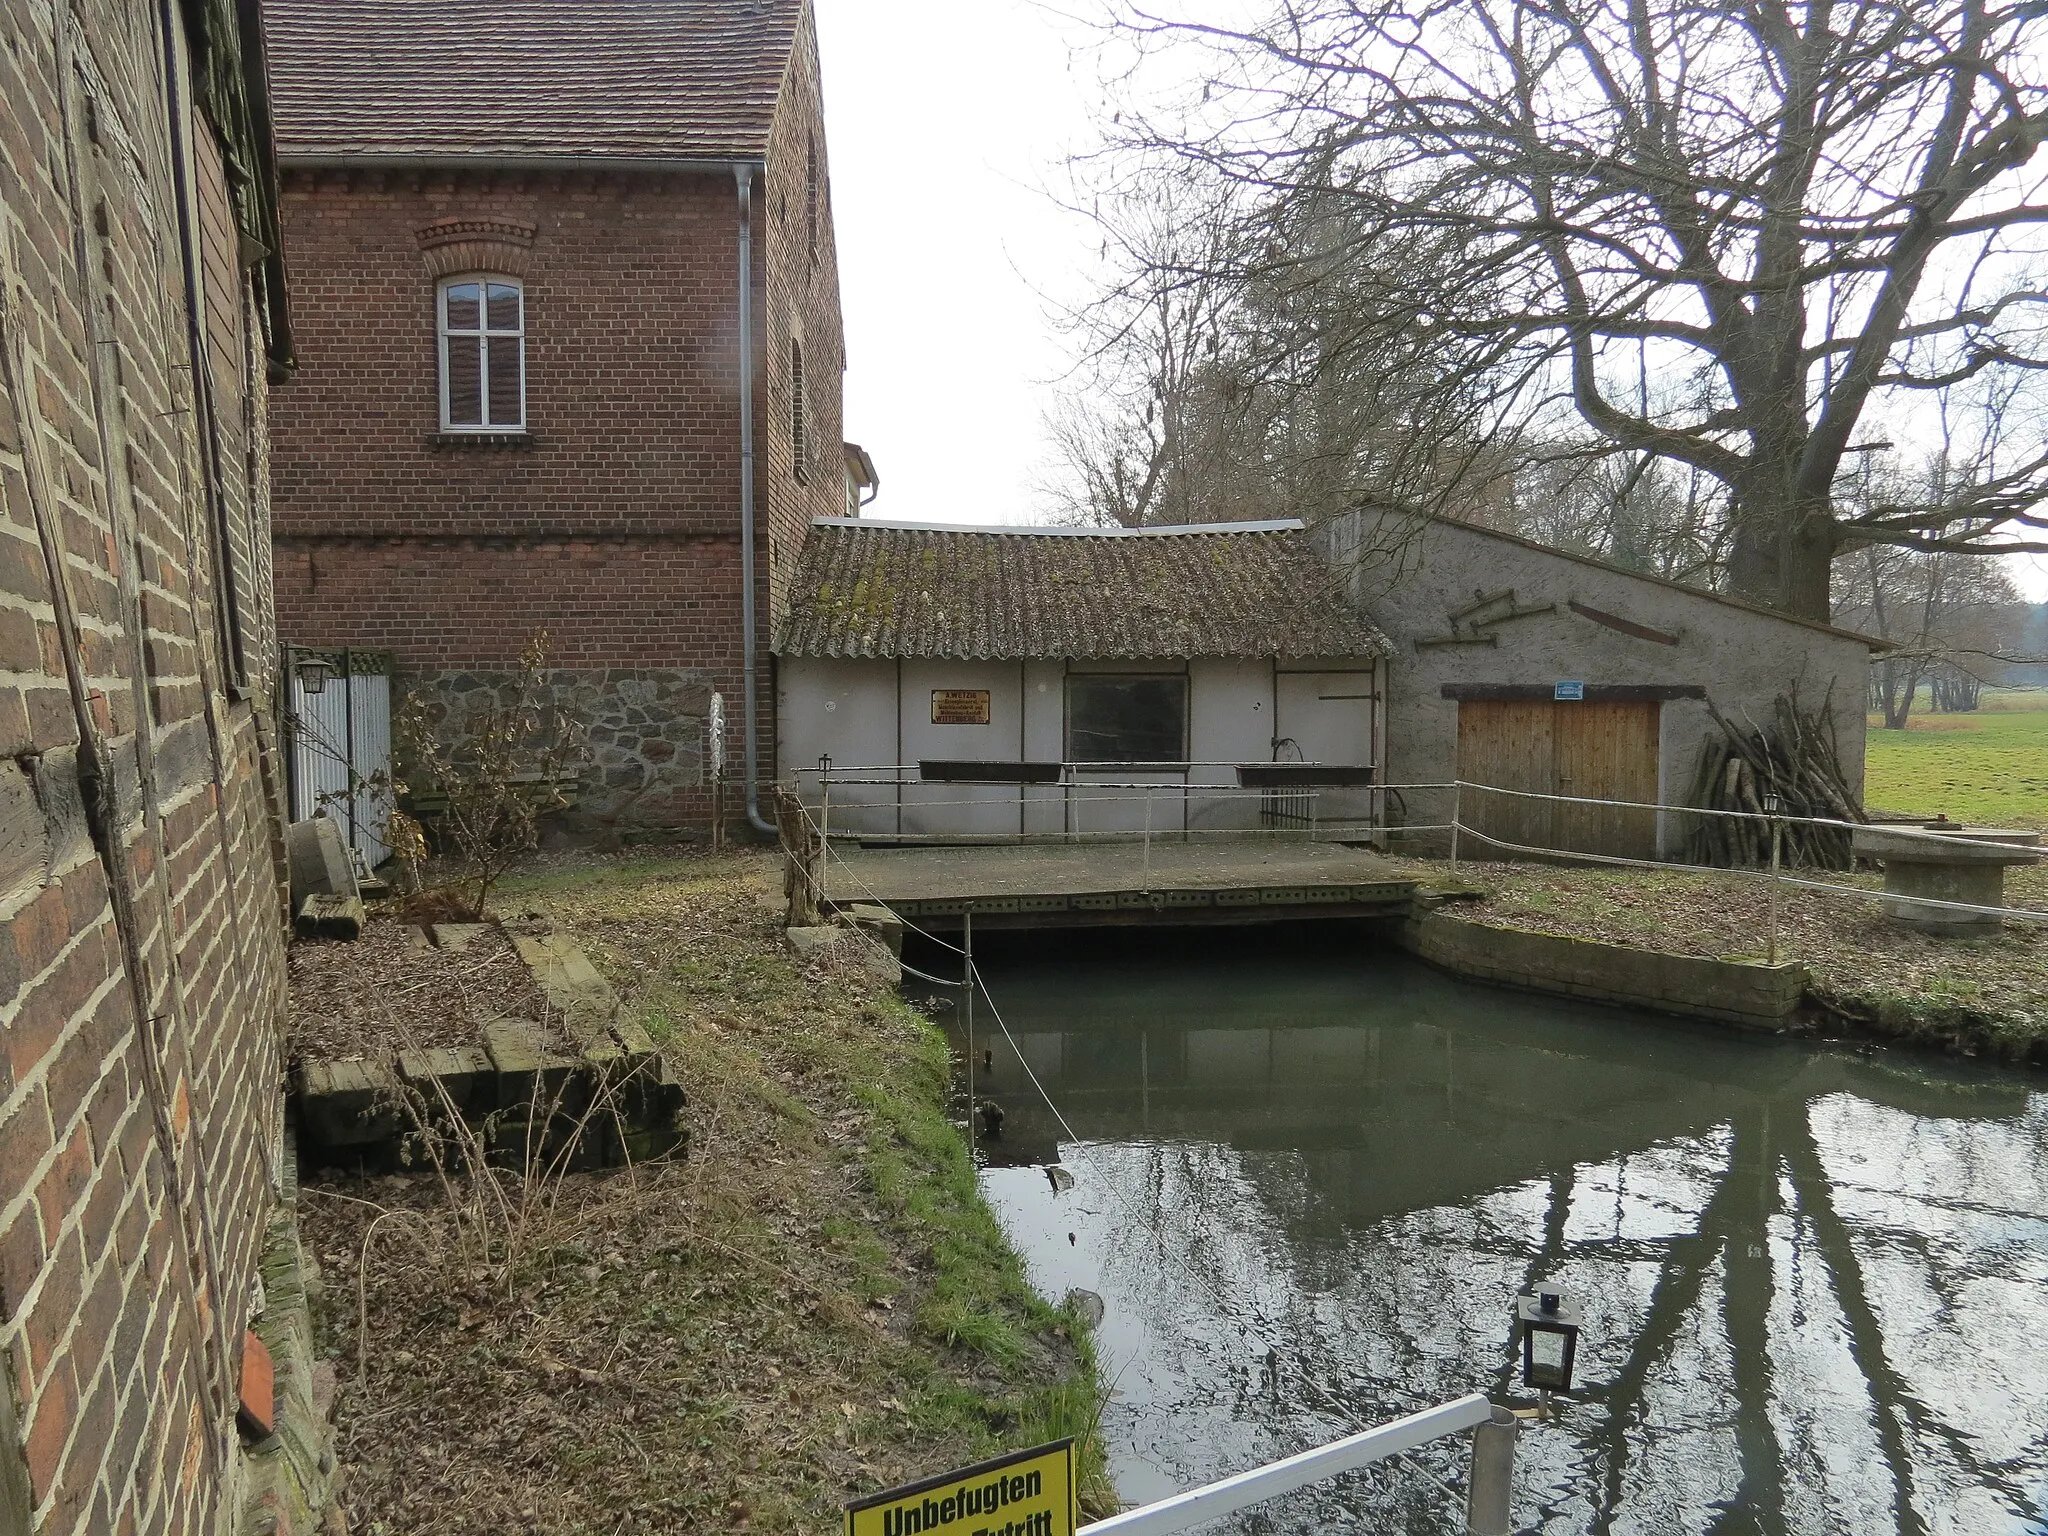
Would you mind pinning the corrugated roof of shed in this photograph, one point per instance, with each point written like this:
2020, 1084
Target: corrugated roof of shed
657, 79
873, 589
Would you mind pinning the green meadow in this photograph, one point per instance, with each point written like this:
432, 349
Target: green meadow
1988, 766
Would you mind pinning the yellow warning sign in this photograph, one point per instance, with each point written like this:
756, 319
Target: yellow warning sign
1028, 1494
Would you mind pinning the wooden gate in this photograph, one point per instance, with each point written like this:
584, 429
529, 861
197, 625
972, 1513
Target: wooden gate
1604, 750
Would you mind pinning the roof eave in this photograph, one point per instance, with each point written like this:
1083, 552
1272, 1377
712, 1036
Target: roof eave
351, 159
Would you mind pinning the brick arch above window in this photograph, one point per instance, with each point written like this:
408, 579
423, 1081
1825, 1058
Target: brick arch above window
476, 245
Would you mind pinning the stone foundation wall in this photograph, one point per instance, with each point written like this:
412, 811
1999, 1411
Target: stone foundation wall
648, 761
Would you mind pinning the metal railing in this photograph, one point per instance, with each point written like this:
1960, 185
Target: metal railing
1487, 1490
1080, 802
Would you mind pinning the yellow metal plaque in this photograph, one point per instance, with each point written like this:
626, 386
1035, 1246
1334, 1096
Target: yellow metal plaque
959, 706
1028, 1494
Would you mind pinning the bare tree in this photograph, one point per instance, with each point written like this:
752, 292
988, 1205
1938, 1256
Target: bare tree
1955, 621
1740, 236
1636, 511
1244, 363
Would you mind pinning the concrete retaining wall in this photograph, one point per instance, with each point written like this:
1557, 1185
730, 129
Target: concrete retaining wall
1736, 991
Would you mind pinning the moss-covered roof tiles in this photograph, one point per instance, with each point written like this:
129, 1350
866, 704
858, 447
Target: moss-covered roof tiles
870, 589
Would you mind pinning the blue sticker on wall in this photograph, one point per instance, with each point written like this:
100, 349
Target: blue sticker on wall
1572, 691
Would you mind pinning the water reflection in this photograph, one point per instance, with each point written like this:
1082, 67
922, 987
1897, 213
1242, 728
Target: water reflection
1815, 1281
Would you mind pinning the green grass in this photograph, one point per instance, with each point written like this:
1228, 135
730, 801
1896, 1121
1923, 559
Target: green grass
1987, 766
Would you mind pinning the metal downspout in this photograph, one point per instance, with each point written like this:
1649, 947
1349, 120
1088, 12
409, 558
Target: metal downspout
750, 689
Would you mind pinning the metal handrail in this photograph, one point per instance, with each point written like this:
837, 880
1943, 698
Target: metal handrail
1213, 1500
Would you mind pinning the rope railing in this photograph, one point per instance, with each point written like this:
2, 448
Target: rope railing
2023, 913
1889, 829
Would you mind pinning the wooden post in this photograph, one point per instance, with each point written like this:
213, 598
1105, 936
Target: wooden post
801, 853
1457, 803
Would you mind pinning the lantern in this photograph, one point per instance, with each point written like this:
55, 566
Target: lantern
313, 672
1550, 1338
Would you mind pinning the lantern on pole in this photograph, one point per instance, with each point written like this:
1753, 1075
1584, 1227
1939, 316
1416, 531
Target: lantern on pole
1774, 806
1550, 1338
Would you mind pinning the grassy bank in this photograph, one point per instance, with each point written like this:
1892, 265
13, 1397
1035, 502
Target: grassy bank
1990, 765
815, 1304
1870, 976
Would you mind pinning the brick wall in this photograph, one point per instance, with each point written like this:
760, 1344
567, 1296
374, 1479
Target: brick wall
615, 521
141, 967
800, 300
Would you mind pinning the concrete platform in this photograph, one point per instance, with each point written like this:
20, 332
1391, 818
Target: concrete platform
1097, 884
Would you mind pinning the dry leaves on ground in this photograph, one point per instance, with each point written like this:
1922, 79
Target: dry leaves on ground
349, 998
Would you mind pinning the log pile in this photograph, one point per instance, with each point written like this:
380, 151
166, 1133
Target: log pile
1792, 756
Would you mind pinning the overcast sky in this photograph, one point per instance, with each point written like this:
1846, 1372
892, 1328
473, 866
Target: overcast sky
949, 124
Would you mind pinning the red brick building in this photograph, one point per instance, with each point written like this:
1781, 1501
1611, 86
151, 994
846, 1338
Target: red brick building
142, 1176
516, 237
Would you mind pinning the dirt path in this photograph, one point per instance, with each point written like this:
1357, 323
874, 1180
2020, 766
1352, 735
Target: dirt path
815, 1304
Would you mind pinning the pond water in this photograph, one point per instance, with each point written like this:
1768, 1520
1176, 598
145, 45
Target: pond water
1308, 1175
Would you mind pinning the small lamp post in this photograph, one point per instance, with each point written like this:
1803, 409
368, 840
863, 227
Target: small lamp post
312, 672
1773, 806
1550, 1339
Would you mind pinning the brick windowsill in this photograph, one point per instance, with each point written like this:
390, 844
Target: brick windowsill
481, 440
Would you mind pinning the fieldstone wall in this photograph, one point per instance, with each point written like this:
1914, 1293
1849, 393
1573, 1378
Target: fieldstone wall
647, 763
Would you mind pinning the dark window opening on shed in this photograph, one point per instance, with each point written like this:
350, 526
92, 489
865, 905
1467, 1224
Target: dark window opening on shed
1127, 719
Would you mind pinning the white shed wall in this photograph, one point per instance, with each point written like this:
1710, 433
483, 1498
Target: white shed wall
874, 714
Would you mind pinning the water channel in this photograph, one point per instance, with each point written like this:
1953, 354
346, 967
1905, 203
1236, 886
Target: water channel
1308, 1174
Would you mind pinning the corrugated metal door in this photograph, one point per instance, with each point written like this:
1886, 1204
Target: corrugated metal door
1604, 750
341, 746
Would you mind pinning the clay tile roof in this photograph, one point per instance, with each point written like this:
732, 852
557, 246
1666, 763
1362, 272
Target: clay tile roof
1246, 589
667, 79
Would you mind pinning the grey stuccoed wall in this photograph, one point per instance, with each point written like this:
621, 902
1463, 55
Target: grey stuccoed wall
1409, 574
646, 734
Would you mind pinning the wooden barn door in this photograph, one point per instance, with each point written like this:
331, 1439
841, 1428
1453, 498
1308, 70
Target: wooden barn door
1506, 743
1604, 750
1607, 751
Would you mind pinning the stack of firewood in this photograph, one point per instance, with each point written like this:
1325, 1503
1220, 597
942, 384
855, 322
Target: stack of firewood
1792, 756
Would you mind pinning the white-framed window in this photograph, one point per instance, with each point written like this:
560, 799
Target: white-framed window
482, 324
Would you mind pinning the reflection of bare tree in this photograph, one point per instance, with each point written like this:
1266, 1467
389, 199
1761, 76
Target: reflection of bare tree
1680, 1280
1546, 1260
1751, 1187
1744, 1300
